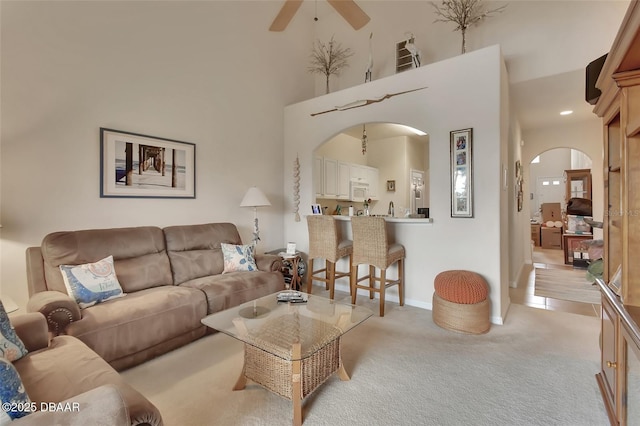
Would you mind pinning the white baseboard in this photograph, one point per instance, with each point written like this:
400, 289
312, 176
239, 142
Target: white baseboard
416, 303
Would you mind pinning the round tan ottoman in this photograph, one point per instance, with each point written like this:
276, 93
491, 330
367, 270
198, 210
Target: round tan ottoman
461, 303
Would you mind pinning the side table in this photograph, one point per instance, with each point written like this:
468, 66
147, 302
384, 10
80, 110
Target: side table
292, 262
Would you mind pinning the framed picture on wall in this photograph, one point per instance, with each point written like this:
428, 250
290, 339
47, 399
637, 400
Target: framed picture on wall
461, 173
140, 166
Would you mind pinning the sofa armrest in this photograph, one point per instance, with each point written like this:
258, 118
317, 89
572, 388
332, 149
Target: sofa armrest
268, 262
36, 281
32, 329
100, 406
59, 309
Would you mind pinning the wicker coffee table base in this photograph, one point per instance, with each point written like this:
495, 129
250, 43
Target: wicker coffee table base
293, 380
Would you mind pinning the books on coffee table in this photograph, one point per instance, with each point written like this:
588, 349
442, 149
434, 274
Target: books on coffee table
291, 296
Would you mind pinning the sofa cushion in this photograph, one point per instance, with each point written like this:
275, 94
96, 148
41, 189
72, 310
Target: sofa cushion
238, 258
140, 320
91, 283
12, 393
68, 368
11, 347
139, 255
194, 250
232, 289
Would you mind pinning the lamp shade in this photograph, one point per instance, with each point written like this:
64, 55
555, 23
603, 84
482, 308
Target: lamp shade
254, 198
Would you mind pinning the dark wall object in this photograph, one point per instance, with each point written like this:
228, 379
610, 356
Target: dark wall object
591, 92
579, 207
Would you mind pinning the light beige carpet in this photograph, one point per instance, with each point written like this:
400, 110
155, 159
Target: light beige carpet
536, 369
566, 284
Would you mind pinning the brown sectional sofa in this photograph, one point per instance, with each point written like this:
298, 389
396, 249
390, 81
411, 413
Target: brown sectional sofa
65, 369
172, 278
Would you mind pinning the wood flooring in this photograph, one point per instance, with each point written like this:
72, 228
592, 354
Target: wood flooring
523, 294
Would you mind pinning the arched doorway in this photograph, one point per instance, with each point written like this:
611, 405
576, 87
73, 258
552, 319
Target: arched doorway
546, 184
397, 156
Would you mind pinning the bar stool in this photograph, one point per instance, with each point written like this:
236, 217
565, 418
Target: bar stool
325, 242
371, 247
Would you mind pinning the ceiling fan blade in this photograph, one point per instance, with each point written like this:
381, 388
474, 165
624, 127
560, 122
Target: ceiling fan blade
351, 12
288, 10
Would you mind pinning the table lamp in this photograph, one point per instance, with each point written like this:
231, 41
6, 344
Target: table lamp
255, 198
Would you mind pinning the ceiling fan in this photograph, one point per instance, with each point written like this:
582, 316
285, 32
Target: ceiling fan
349, 10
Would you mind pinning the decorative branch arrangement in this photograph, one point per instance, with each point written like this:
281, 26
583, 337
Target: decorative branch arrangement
463, 13
329, 59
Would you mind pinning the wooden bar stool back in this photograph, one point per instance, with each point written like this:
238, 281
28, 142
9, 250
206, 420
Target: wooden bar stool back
371, 246
326, 242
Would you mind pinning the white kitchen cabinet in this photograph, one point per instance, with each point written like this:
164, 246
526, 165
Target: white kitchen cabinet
344, 180
332, 178
357, 172
371, 176
318, 175
330, 189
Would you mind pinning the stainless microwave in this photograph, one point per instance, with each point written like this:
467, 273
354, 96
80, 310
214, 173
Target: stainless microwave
359, 191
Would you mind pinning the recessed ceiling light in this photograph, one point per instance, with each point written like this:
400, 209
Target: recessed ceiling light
566, 112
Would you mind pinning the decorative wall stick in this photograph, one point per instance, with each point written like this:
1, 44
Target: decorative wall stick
296, 188
365, 102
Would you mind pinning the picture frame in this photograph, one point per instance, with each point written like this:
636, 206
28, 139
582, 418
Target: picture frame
316, 209
391, 185
519, 186
167, 169
461, 150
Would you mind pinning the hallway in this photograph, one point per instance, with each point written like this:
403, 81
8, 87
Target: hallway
524, 293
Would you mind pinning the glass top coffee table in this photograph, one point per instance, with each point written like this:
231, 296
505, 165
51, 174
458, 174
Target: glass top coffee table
290, 348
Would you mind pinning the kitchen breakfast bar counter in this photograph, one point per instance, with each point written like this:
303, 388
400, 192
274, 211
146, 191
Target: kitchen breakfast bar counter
417, 236
412, 220
431, 246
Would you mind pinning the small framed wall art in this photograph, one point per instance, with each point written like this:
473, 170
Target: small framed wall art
140, 166
461, 173
391, 185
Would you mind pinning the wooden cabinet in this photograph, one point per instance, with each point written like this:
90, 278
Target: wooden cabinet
535, 234
619, 376
607, 378
578, 184
619, 107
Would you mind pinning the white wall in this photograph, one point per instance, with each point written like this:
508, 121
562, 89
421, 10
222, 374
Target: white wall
389, 155
465, 91
203, 72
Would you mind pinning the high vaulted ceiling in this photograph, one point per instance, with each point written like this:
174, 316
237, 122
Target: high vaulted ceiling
546, 46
